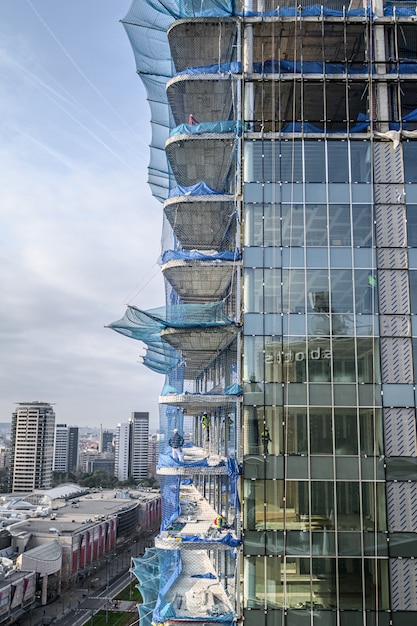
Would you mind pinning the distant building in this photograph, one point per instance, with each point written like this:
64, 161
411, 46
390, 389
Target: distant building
121, 452
61, 448
105, 443
73, 448
131, 448
66, 448
139, 436
32, 447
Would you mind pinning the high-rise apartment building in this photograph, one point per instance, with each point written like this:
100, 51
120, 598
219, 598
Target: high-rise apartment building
287, 171
66, 448
32, 447
132, 448
139, 445
105, 443
121, 451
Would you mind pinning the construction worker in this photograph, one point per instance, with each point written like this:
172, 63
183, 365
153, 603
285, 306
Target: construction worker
265, 439
176, 442
205, 424
220, 522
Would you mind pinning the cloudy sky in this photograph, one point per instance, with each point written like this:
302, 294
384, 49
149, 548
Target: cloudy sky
79, 229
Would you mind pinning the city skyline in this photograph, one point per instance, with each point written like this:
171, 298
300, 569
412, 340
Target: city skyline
77, 217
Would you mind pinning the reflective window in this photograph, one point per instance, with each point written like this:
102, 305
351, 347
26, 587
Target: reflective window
337, 156
410, 161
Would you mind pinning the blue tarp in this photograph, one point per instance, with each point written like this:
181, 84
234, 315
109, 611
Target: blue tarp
197, 255
308, 11
308, 67
233, 390
405, 67
227, 540
216, 68
166, 460
225, 126
199, 189
400, 11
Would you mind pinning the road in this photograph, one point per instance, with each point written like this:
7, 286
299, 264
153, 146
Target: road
95, 601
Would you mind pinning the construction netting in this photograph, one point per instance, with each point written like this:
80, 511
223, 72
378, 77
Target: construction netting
159, 575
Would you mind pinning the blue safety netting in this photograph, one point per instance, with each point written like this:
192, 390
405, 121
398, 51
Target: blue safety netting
225, 126
146, 25
146, 326
199, 189
199, 255
233, 67
146, 570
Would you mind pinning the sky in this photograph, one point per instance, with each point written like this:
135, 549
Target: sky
79, 229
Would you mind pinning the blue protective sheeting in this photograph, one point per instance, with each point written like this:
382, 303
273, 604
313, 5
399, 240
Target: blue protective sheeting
405, 67
308, 11
197, 255
166, 460
400, 11
227, 540
199, 189
167, 390
170, 497
216, 68
233, 390
308, 67
226, 126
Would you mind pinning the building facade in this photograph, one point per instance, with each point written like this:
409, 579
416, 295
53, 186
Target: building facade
66, 450
121, 451
131, 448
139, 446
32, 447
290, 203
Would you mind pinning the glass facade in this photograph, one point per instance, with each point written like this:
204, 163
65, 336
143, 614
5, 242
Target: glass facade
315, 513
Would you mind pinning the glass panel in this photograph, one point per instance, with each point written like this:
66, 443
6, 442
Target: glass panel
360, 160
373, 506
410, 161
401, 468
253, 290
294, 358
291, 161
376, 584
296, 431
292, 225
314, 160
371, 440
412, 225
403, 544
271, 301
339, 225
253, 225
350, 583
272, 225
337, 153
253, 361
293, 291
346, 431
348, 506
365, 292
321, 431
319, 360
362, 218
342, 291
344, 369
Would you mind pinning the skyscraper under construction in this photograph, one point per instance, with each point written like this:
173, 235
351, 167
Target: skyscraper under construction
284, 152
